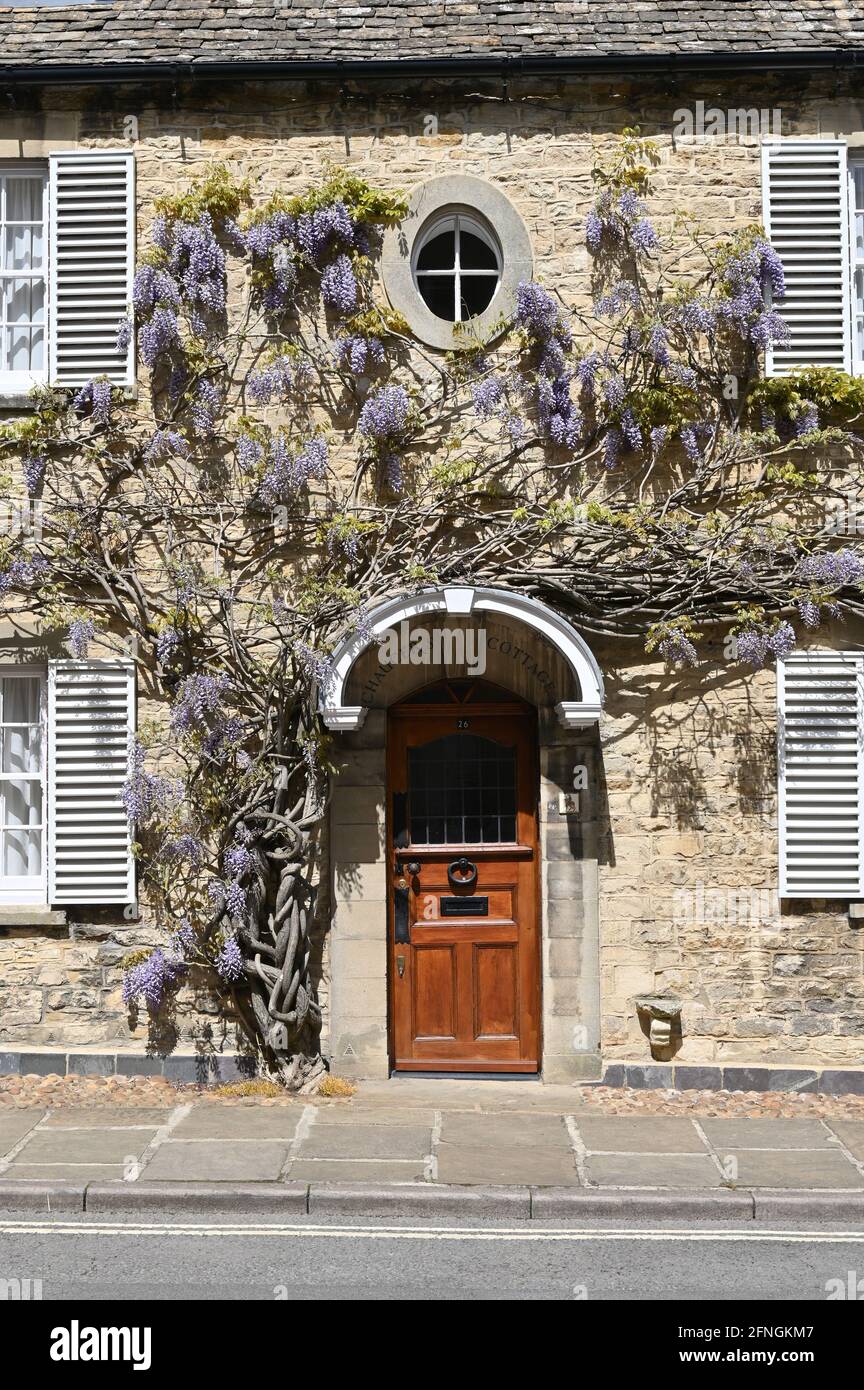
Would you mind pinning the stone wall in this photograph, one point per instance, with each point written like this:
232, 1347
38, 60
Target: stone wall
682, 798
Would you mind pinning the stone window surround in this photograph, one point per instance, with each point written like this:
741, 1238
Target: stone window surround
432, 199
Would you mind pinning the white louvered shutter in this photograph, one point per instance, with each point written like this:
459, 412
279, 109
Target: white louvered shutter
805, 199
92, 264
820, 764
91, 719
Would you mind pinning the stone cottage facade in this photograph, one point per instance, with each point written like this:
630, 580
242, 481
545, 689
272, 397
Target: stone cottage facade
687, 921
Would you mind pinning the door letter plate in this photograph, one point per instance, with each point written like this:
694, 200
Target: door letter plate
464, 907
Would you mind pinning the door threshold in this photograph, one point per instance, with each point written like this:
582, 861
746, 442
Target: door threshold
465, 1075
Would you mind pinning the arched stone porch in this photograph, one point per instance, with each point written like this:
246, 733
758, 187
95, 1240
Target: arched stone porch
526, 648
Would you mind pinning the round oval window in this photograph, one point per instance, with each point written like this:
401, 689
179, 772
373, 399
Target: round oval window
456, 265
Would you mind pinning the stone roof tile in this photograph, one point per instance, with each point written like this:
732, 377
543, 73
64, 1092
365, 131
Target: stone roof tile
203, 31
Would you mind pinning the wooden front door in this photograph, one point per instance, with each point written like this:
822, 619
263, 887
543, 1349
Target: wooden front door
463, 891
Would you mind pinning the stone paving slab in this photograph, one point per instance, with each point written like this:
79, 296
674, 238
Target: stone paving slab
216, 1161
850, 1133
241, 1122
505, 1131
766, 1134
544, 1167
795, 1168
649, 1134
347, 1170
106, 1117
84, 1146
652, 1170
367, 1141
15, 1125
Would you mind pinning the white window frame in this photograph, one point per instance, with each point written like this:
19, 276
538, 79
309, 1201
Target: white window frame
19, 383
455, 220
20, 889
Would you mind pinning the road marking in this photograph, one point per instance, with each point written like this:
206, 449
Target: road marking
296, 1230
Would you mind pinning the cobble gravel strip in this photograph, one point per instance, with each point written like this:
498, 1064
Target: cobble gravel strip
158, 1092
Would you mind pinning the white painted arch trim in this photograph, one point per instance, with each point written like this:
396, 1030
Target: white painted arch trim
460, 600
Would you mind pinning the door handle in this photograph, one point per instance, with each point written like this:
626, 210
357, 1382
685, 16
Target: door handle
401, 929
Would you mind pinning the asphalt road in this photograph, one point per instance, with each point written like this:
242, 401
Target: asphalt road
88, 1258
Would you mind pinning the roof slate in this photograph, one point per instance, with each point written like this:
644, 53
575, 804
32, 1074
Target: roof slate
206, 31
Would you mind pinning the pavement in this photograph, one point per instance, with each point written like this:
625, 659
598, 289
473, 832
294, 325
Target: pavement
431, 1147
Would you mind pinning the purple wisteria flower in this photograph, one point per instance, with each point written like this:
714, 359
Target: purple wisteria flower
184, 941
145, 794
79, 636
593, 231
623, 296
631, 430
687, 435
33, 467
320, 232
200, 696
197, 263
94, 400
806, 420
186, 849
288, 469
695, 316
205, 407
238, 860
159, 336
359, 354
586, 374
616, 216
125, 329
249, 453
317, 665
488, 395
644, 236
339, 285
385, 414
658, 345
168, 644
677, 649
539, 317
659, 435
834, 569
165, 444
748, 276
757, 646
280, 377
614, 391
154, 979
23, 572
153, 287
810, 613
612, 447
229, 961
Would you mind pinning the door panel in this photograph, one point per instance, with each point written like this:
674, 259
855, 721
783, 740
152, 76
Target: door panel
496, 991
465, 985
433, 979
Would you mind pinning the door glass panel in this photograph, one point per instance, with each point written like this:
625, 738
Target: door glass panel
462, 790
